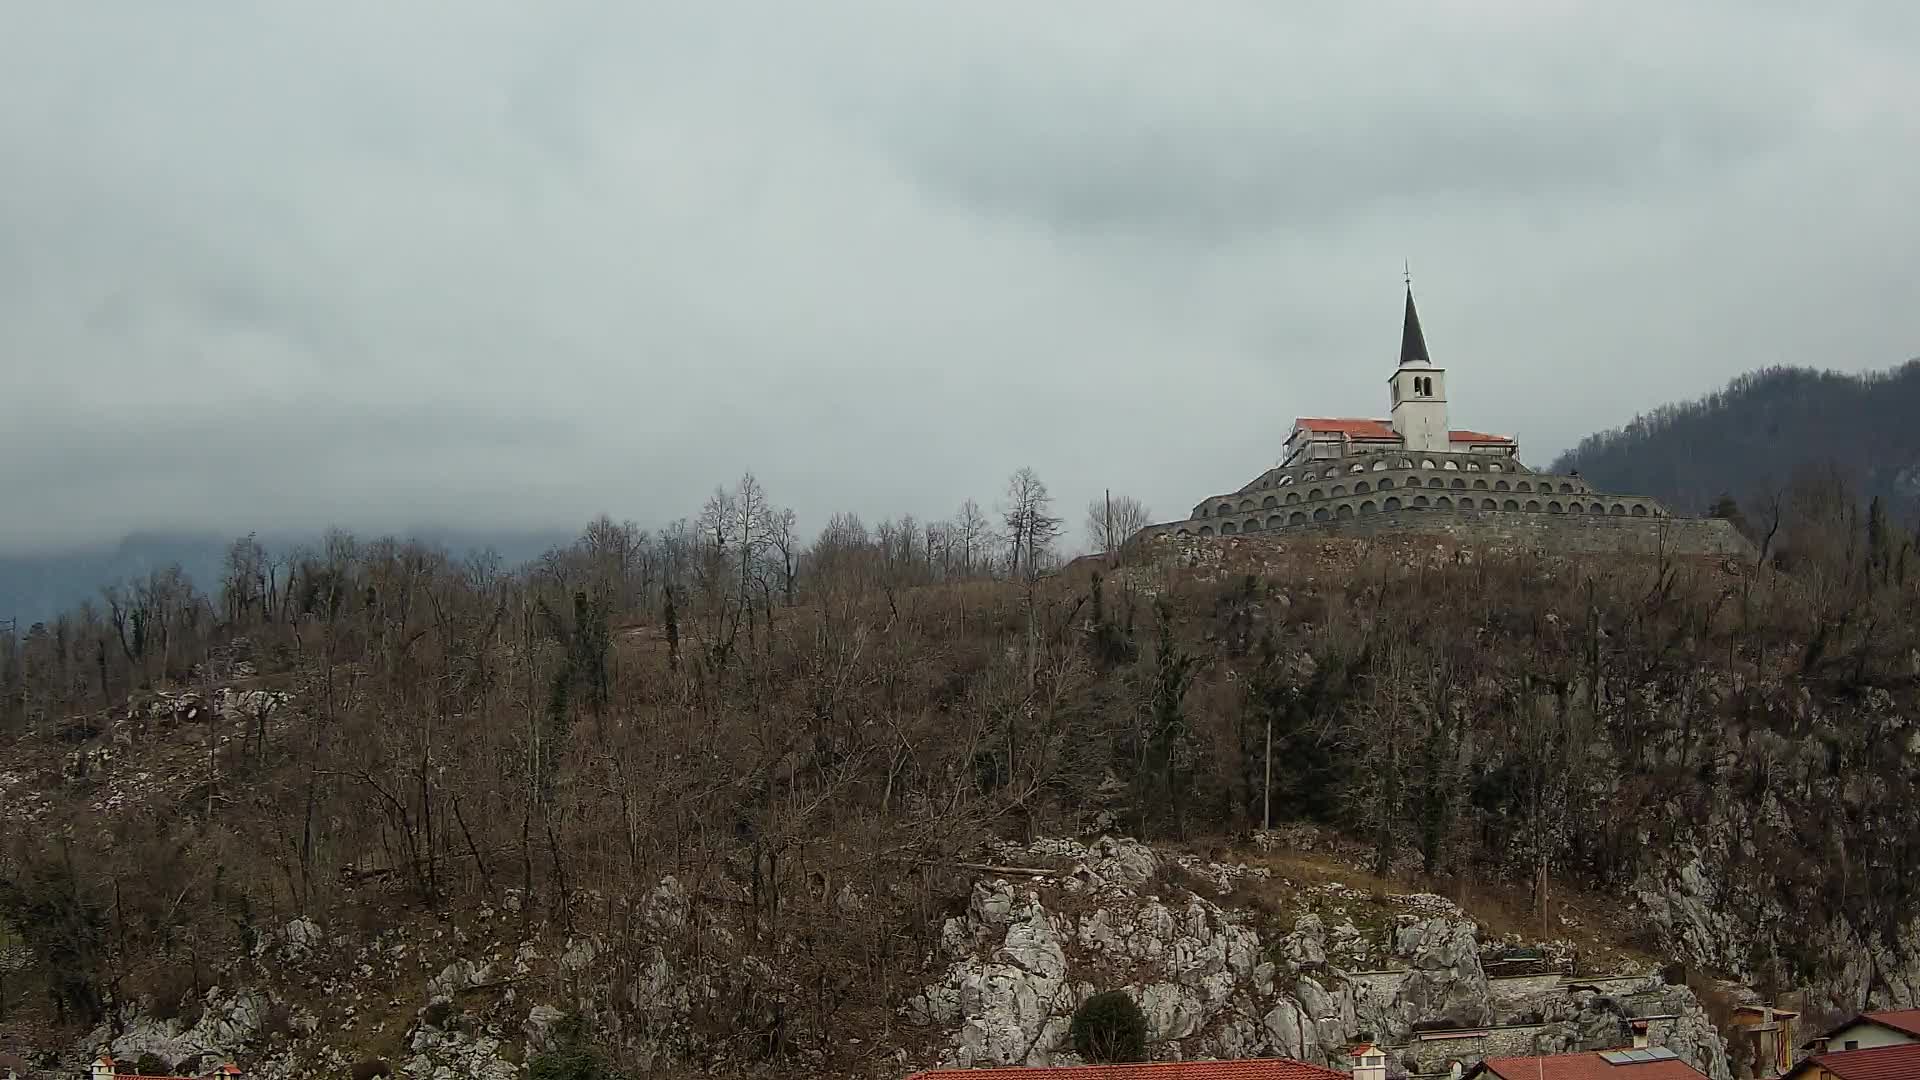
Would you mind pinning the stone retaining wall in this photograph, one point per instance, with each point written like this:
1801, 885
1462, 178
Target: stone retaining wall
1433, 1055
1562, 533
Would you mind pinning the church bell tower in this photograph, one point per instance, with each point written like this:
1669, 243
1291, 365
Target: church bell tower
1419, 391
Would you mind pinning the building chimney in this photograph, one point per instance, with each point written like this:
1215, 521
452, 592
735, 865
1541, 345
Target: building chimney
1639, 1034
1369, 1062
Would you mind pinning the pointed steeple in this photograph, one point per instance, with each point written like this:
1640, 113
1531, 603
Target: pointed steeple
1413, 344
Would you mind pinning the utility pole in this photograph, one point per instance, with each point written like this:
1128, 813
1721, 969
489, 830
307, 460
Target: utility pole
1266, 791
1106, 541
1545, 934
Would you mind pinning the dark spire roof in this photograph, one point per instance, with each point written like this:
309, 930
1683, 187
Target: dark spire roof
1413, 344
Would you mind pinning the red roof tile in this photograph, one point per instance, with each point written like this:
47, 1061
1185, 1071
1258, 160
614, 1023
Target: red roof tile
1358, 427
1249, 1069
1907, 1020
1588, 1066
1880, 1063
229, 1069
1352, 426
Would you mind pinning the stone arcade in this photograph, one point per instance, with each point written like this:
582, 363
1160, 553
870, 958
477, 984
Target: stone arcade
1414, 473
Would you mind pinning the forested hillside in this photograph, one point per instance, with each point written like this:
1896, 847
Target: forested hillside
1750, 440
711, 794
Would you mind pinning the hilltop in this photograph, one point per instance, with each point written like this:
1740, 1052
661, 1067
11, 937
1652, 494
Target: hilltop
1753, 438
715, 813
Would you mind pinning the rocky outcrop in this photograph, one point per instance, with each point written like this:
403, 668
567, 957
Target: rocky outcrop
227, 1023
1006, 991
453, 1055
1015, 965
1444, 979
1718, 903
1299, 971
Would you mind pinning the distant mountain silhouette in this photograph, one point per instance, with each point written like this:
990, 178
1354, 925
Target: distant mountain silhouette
40, 586
1749, 439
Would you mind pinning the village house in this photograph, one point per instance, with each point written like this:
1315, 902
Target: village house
1760, 1040
1899, 1061
1245, 1069
1652, 1063
1894, 1027
105, 1068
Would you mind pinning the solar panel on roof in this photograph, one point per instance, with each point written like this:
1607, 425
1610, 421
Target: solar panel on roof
1638, 1057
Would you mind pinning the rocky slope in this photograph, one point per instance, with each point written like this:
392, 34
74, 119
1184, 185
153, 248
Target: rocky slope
1212, 984
1225, 959
1685, 745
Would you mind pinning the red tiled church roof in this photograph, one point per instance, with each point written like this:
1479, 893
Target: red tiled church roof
1880, 1063
1353, 426
1356, 427
1249, 1069
1587, 1066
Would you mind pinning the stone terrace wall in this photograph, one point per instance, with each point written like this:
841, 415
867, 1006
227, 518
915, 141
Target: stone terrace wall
1564, 533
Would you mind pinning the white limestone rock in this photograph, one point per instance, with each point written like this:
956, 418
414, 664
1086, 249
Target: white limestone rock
1004, 1000
1172, 1011
460, 975
293, 944
1446, 981
539, 1026
1306, 947
1290, 1033
1114, 865
667, 906
1197, 972
228, 1023
452, 1055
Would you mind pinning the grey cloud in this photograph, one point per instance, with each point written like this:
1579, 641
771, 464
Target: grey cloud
497, 264
1151, 167
1219, 134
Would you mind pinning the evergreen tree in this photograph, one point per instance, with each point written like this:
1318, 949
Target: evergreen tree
1110, 1029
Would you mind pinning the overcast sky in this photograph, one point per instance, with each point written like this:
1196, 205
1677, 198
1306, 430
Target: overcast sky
279, 265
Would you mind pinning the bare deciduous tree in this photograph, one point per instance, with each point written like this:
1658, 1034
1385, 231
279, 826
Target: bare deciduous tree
971, 530
1031, 528
1112, 521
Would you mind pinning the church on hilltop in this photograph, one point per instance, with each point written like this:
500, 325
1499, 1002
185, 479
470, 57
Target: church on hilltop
1414, 472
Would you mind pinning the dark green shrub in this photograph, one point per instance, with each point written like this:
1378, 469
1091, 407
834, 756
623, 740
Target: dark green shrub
572, 1056
1109, 1028
150, 1064
571, 1062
